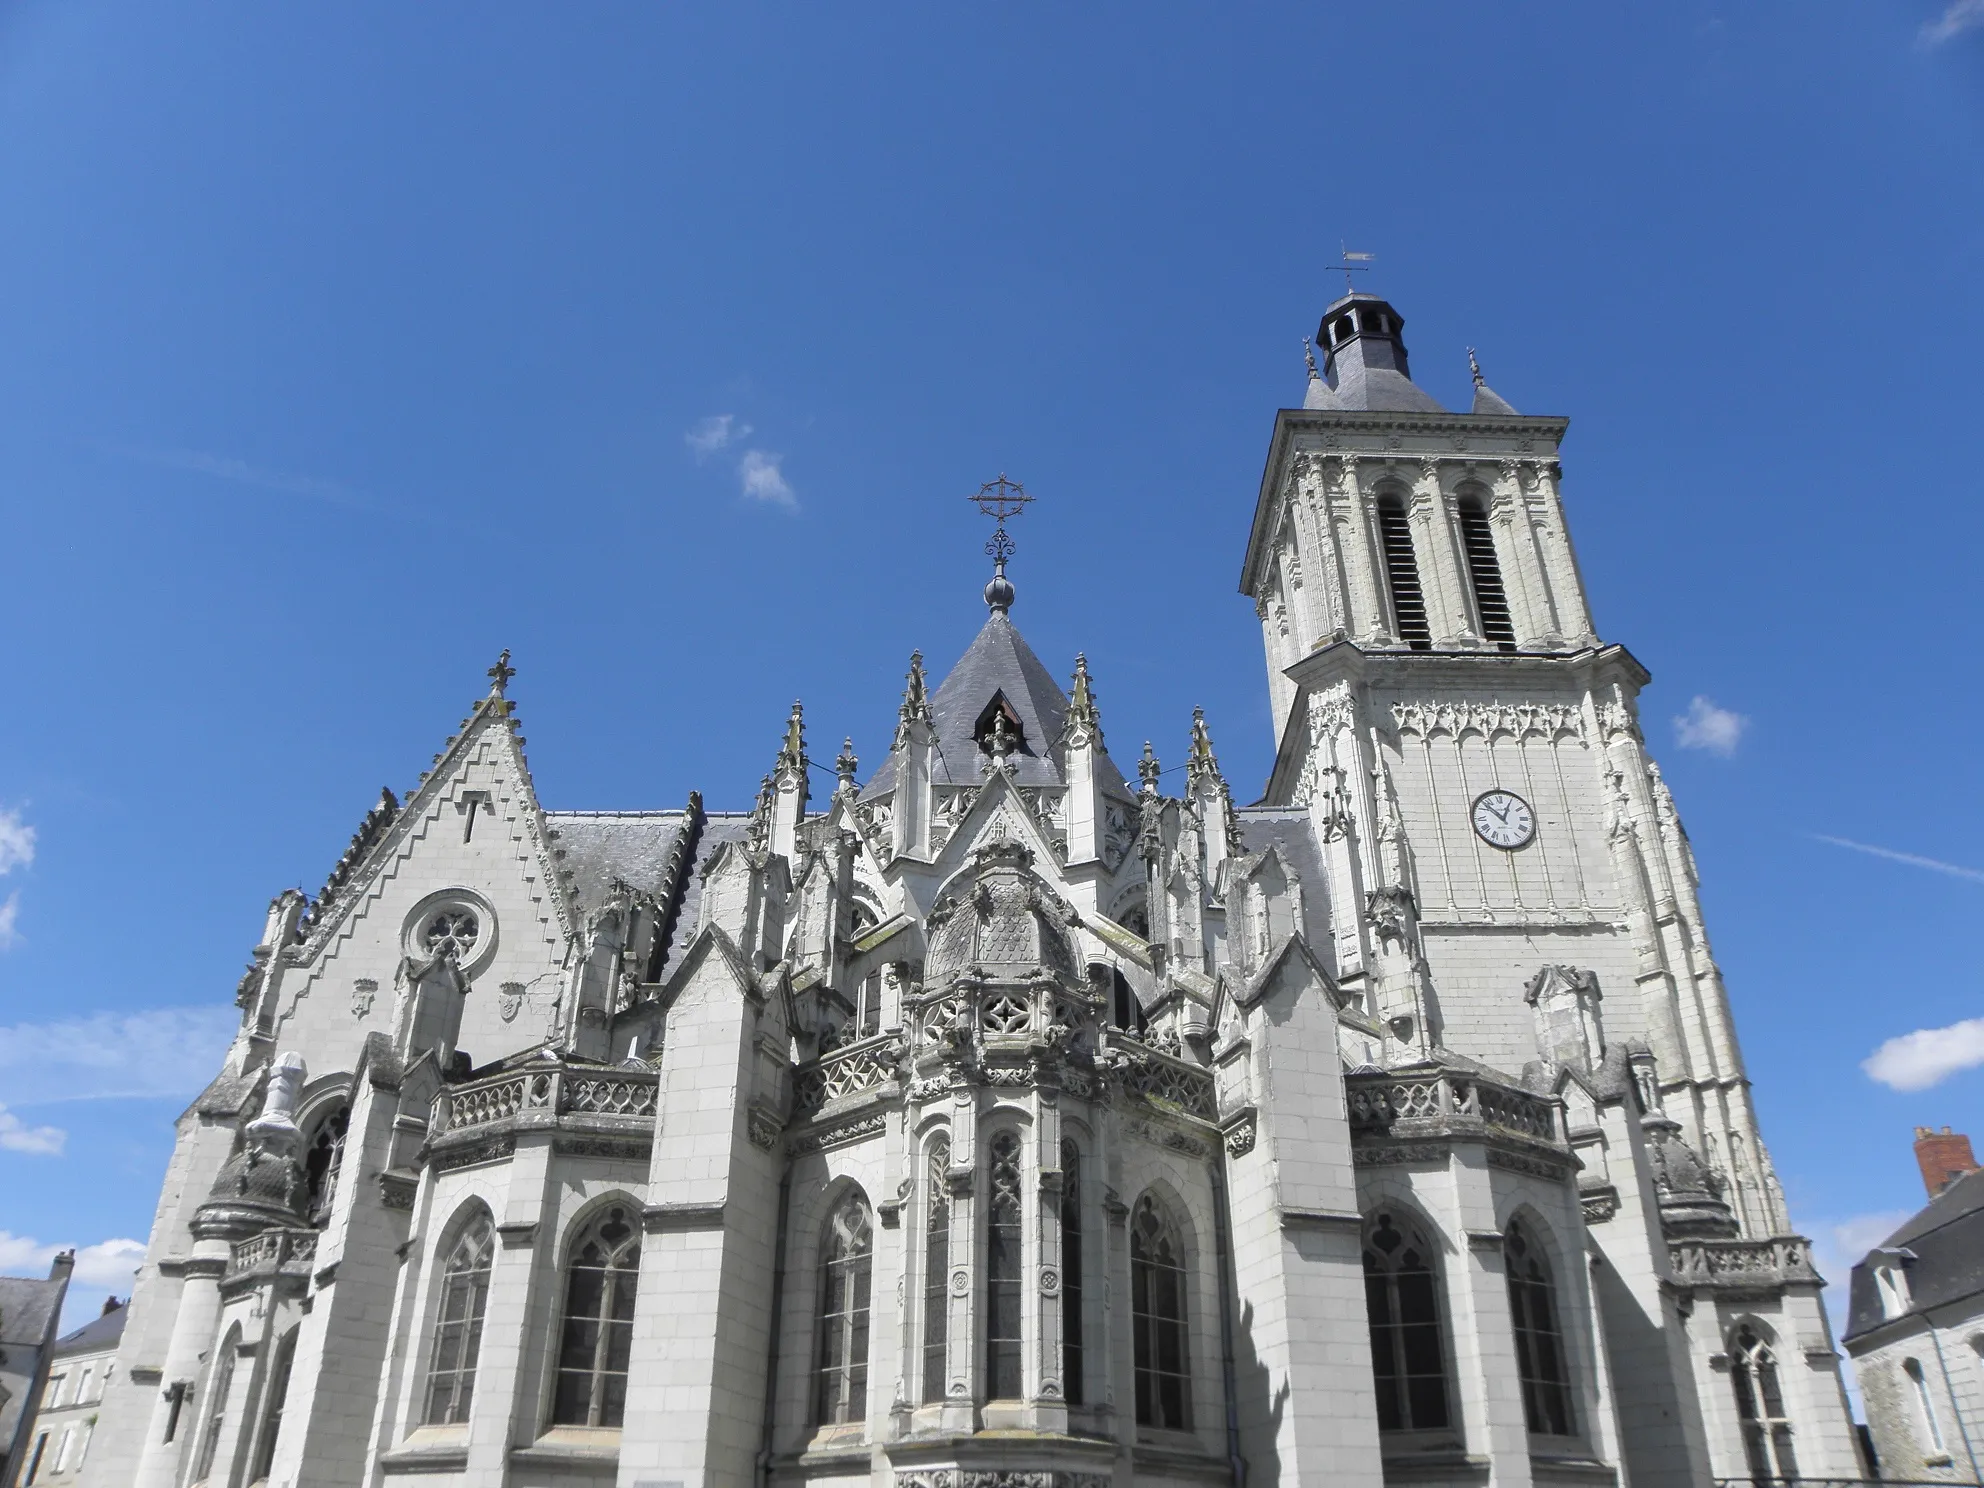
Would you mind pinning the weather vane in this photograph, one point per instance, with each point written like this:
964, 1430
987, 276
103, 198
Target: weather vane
1354, 263
1000, 499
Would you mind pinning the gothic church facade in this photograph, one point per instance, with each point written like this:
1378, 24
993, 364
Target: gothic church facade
1002, 1121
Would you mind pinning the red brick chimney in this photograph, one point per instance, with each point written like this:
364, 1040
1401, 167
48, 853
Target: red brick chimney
1944, 1156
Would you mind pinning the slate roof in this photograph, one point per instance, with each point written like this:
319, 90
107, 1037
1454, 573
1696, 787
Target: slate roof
1487, 400
96, 1336
27, 1308
999, 661
1947, 1237
636, 847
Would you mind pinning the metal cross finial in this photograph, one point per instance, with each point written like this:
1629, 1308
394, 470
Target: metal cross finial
1000, 499
500, 674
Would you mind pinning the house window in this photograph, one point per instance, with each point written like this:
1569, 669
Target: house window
936, 1272
62, 1449
1546, 1390
265, 1450
869, 1016
1760, 1407
1072, 1361
847, 1256
1004, 1346
218, 1389
1925, 1408
1402, 573
1402, 1298
1484, 572
458, 1322
1157, 1319
598, 1332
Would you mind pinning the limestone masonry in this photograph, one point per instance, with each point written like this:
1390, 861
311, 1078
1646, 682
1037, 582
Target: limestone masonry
1005, 1122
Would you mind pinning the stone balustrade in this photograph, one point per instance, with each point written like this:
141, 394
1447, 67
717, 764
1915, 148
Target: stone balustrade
1401, 1102
852, 1070
558, 1090
272, 1250
1740, 1264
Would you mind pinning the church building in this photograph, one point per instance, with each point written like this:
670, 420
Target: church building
1002, 1119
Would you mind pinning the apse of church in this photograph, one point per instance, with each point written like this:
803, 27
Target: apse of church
1002, 1121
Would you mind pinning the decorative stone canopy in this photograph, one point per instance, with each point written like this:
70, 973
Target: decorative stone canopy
1006, 925
262, 1184
1688, 1189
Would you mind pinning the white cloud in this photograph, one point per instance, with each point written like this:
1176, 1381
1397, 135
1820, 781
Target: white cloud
17, 1136
104, 1269
1928, 1056
1705, 726
1914, 860
763, 481
717, 432
160, 1052
9, 913
1960, 16
227, 468
16, 841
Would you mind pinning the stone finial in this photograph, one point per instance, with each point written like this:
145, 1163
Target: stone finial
844, 767
1148, 770
1309, 356
1000, 739
792, 753
1082, 711
915, 700
500, 674
1474, 366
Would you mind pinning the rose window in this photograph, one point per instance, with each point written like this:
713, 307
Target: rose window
452, 933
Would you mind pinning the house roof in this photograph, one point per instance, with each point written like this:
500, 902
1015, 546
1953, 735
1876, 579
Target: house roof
1946, 1238
27, 1310
99, 1335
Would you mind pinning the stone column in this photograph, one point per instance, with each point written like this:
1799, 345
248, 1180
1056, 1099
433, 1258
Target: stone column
175, 1409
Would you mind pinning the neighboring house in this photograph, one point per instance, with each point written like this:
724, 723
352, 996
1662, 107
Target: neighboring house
1916, 1326
77, 1379
30, 1312
1008, 1118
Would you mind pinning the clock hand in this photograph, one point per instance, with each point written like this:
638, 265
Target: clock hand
1503, 814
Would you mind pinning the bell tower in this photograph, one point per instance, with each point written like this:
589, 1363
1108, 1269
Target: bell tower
1467, 748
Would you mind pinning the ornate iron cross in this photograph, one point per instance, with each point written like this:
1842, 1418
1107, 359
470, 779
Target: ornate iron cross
1000, 499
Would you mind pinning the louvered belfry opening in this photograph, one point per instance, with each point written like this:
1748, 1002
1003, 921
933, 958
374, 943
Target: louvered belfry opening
1490, 598
1402, 573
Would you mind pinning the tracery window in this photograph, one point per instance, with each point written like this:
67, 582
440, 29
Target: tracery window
218, 1389
273, 1402
458, 1322
1408, 1356
1484, 571
1073, 1361
598, 1333
1157, 1319
847, 1255
322, 1158
1760, 1407
1402, 573
936, 1272
1546, 1390
452, 931
1004, 1345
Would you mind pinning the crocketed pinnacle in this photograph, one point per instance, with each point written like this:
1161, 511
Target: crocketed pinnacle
792, 754
500, 674
915, 700
1082, 711
1202, 765
844, 768
1148, 770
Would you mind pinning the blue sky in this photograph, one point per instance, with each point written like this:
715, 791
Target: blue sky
342, 346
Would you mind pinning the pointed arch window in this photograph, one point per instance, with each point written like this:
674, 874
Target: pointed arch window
218, 1389
458, 1322
1760, 1407
272, 1408
1484, 571
937, 1272
1546, 1389
1402, 573
1073, 1358
598, 1333
1402, 1298
847, 1256
1004, 1232
322, 1158
1157, 1319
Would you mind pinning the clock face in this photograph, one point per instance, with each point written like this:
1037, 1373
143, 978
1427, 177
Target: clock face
1503, 819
